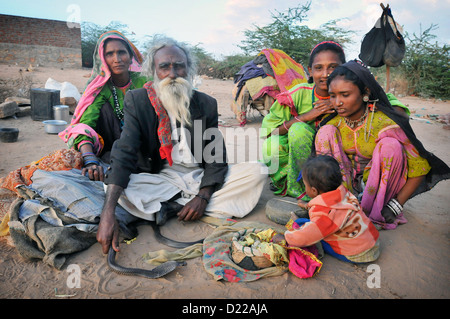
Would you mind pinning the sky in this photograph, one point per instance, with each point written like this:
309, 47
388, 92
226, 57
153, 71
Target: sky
218, 25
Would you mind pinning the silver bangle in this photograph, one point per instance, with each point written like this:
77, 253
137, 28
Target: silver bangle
395, 206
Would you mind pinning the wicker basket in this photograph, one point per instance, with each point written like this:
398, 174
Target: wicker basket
246, 257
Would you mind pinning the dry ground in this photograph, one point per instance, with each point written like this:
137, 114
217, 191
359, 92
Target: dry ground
413, 264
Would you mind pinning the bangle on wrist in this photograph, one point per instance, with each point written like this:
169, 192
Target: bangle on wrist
91, 162
395, 206
298, 120
87, 154
284, 125
203, 197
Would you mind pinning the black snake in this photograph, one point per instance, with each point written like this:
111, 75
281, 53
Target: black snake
156, 272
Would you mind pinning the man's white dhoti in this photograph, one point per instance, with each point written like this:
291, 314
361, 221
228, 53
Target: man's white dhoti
238, 196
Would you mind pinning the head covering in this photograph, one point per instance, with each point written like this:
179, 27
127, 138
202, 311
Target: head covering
439, 170
99, 77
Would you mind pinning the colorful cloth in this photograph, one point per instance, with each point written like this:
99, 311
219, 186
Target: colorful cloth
303, 262
259, 86
288, 73
260, 241
439, 170
286, 154
335, 217
217, 257
382, 156
60, 160
98, 80
164, 129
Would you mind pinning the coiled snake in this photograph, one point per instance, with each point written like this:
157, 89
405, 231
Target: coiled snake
156, 272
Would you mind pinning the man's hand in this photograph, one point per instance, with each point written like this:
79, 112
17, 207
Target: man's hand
108, 228
193, 210
108, 232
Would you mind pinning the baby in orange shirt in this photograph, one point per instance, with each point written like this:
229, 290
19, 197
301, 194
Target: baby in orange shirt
336, 217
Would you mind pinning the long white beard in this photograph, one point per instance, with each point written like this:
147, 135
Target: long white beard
175, 96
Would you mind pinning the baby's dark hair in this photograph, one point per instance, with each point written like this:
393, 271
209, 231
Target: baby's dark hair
323, 173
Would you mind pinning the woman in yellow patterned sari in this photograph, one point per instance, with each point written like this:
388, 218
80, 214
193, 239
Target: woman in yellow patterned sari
380, 157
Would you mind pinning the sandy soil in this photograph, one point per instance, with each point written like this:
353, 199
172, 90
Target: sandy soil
413, 263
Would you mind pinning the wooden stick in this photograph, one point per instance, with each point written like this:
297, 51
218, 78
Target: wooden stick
388, 78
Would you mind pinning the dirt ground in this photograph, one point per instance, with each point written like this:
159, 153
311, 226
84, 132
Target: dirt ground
414, 262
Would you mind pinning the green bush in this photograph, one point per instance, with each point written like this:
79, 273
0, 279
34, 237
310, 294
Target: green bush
426, 65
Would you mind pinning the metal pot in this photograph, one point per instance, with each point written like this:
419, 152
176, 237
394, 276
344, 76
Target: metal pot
9, 135
61, 112
54, 126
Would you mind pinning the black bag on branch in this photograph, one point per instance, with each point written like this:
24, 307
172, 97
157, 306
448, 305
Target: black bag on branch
395, 43
382, 45
373, 45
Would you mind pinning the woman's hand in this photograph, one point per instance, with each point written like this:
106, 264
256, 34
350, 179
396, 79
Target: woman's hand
319, 108
95, 172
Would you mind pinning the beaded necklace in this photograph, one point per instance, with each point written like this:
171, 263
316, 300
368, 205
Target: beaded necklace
361, 120
119, 113
355, 123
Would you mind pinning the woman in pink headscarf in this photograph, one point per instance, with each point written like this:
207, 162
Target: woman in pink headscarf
98, 119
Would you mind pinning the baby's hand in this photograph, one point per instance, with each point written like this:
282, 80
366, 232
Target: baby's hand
302, 204
278, 239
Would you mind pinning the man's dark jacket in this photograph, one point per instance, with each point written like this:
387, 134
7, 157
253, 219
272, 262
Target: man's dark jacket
137, 150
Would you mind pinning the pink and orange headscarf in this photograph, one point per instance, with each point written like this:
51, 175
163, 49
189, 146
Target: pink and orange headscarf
99, 77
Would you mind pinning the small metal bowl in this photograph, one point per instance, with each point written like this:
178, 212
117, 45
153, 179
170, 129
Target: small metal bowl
54, 126
9, 135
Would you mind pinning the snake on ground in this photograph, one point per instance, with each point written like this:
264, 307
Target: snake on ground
158, 271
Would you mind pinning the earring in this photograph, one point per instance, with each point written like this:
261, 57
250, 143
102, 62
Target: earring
366, 98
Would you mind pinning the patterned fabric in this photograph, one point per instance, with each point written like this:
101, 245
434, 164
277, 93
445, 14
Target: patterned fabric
63, 159
99, 77
217, 257
288, 73
440, 170
384, 161
91, 116
164, 129
336, 218
286, 154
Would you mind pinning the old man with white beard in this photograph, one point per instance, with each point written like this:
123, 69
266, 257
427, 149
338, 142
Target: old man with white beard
171, 159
